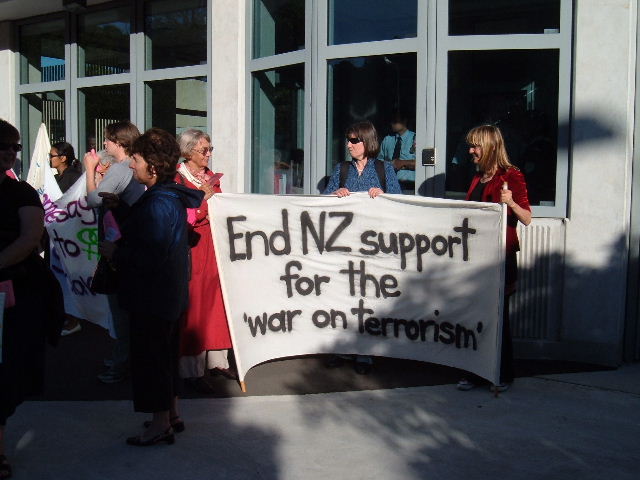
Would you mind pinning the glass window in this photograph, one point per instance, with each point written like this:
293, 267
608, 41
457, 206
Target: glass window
42, 52
494, 17
378, 89
103, 39
35, 109
516, 90
353, 21
98, 107
278, 131
278, 27
177, 105
176, 33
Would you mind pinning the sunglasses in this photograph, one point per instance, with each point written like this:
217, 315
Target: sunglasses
354, 141
204, 151
53, 156
16, 147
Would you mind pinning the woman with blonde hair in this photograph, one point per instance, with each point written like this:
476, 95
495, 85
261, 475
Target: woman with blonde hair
498, 181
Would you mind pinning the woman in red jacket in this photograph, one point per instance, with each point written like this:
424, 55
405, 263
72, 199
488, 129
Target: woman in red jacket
500, 182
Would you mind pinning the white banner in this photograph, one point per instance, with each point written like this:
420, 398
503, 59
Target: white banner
40, 175
396, 276
73, 230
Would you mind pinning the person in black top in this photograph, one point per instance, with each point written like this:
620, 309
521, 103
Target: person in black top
38, 312
63, 159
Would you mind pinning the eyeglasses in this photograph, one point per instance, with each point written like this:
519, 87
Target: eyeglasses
16, 147
53, 156
204, 151
354, 141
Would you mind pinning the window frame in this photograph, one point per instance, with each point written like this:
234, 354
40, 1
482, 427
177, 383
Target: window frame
432, 45
136, 78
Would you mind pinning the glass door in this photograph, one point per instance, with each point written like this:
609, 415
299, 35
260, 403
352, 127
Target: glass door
371, 63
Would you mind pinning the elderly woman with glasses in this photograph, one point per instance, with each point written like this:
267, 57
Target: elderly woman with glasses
205, 334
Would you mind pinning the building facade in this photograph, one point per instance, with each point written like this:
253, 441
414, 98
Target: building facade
276, 82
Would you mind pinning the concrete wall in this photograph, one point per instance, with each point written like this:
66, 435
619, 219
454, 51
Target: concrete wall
7, 73
600, 175
228, 91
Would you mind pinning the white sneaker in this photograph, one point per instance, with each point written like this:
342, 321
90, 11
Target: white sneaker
75, 329
465, 385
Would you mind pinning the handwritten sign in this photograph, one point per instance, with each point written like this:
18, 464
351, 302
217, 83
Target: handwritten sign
395, 276
73, 231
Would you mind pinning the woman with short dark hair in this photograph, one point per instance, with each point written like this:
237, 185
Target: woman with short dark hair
363, 173
152, 262
35, 310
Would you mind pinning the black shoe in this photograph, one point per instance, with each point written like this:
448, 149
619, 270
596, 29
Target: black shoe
362, 368
178, 427
334, 361
5, 468
167, 437
224, 372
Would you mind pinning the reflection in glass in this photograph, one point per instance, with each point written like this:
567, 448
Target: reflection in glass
277, 163
177, 105
353, 21
376, 89
516, 90
42, 52
100, 106
278, 27
494, 17
103, 40
176, 33
35, 109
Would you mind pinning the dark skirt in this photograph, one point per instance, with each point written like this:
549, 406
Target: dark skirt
37, 315
155, 344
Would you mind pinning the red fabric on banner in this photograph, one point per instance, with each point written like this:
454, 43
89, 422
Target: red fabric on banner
205, 325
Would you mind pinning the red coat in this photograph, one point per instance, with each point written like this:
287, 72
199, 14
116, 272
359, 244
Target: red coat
518, 186
205, 326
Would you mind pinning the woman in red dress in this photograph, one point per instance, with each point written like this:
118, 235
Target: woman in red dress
498, 181
205, 335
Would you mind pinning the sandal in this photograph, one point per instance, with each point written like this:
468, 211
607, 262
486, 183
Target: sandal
166, 437
178, 427
5, 468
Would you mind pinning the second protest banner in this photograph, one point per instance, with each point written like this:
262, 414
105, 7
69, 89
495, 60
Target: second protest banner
394, 276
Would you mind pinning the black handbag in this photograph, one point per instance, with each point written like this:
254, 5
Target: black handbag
105, 277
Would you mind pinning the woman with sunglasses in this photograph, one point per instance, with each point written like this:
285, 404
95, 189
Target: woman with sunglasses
205, 336
33, 309
362, 173
63, 158
498, 181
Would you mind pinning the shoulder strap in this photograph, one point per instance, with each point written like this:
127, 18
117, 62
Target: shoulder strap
344, 171
382, 177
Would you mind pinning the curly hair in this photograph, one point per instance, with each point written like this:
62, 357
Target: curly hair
161, 152
8, 133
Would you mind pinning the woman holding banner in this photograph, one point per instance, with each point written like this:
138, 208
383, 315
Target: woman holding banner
152, 262
364, 173
499, 181
62, 157
205, 336
33, 309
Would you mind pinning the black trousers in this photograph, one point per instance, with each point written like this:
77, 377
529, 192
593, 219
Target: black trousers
506, 357
154, 353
